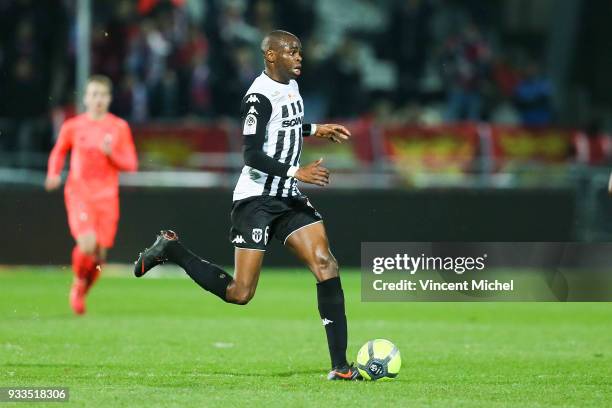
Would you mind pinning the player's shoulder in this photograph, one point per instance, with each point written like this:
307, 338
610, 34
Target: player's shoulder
117, 121
71, 124
74, 120
255, 98
255, 102
262, 88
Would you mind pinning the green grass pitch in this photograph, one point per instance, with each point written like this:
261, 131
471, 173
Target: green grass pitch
165, 342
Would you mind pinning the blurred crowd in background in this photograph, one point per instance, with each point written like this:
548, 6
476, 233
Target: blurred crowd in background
399, 61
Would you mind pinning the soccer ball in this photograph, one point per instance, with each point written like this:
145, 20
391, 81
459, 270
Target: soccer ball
379, 360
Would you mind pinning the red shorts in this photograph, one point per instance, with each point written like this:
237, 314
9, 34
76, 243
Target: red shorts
98, 216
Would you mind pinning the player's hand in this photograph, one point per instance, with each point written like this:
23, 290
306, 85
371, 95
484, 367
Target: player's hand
313, 173
333, 132
52, 183
107, 145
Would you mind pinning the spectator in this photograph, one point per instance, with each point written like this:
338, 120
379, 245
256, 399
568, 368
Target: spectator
532, 97
409, 28
465, 63
164, 101
345, 92
593, 145
200, 93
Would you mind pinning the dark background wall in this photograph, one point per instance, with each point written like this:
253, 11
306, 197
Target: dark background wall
35, 228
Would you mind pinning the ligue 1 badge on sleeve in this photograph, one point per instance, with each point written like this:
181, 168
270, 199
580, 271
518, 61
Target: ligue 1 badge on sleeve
250, 125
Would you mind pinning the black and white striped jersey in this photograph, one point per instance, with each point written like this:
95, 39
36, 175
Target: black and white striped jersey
272, 115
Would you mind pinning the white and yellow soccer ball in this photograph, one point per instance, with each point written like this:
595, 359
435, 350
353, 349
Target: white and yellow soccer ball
379, 360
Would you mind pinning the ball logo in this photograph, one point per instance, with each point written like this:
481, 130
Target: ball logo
378, 359
376, 368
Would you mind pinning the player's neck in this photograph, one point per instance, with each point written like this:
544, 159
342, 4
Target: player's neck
275, 76
95, 115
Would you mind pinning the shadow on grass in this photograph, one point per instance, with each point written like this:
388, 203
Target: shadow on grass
273, 375
219, 373
52, 365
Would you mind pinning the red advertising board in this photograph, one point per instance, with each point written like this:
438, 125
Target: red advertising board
531, 144
174, 145
451, 148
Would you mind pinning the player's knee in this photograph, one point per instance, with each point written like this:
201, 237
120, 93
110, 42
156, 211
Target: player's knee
87, 247
87, 243
242, 296
326, 266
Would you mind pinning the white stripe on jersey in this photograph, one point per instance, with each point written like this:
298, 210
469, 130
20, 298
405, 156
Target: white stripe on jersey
272, 139
294, 190
290, 138
294, 154
283, 156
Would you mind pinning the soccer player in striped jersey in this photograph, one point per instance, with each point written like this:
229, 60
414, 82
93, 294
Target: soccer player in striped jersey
267, 202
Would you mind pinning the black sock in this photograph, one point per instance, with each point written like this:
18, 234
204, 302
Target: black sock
331, 309
208, 275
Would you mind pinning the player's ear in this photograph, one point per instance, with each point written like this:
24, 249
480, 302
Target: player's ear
270, 55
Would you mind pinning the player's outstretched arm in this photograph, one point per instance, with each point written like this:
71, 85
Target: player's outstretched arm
52, 183
335, 133
313, 173
58, 156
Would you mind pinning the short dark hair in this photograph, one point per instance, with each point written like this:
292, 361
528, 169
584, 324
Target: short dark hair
101, 79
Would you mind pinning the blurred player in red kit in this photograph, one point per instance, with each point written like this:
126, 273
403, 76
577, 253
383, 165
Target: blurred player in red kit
101, 146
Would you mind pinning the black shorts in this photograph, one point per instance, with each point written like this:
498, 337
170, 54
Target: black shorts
256, 219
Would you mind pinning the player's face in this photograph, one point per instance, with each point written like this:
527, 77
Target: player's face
290, 58
97, 98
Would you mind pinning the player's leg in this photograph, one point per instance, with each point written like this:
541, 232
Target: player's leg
249, 234
94, 273
82, 228
87, 243
83, 261
85, 255
310, 244
247, 267
251, 219
238, 289
210, 277
106, 217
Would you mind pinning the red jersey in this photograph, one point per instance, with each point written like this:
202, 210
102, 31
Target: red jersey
93, 173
